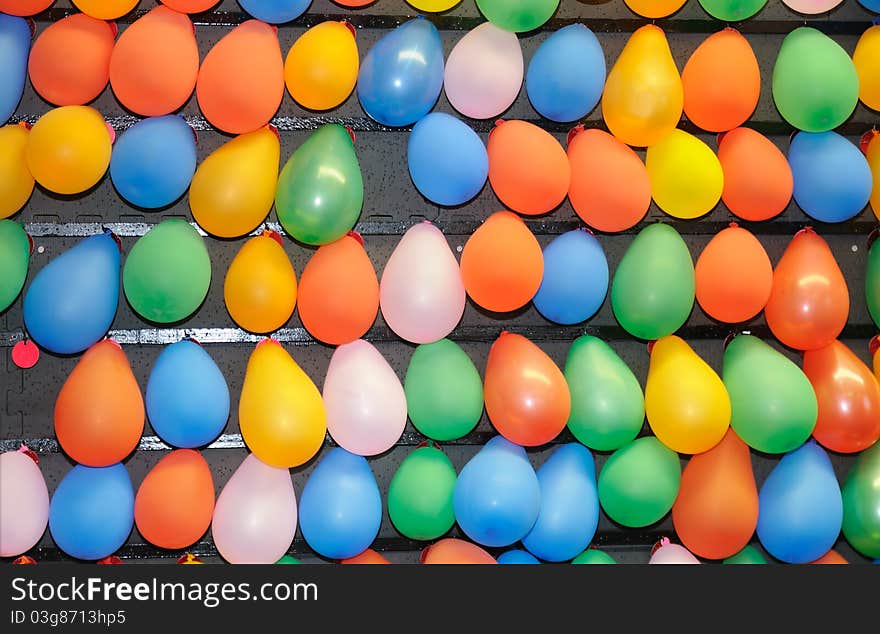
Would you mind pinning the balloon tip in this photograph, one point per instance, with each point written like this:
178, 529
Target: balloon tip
730, 337
189, 558
664, 541
109, 233
720, 137
872, 238
30, 243
573, 133
30, 453
356, 236
874, 345
25, 125
114, 28
32, 26
111, 132
350, 27
24, 559
270, 233
866, 138
110, 559
423, 556
268, 340
733, 225
274, 131
427, 443
113, 341
587, 230
651, 346
351, 134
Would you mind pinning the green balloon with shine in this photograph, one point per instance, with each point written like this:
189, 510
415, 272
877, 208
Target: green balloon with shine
15, 255
861, 503
420, 494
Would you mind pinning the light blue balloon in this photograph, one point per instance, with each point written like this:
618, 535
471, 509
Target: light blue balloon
497, 498
832, 178
187, 397
275, 11
153, 161
72, 301
401, 77
341, 509
800, 508
92, 511
517, 557
871, 5
15, 46
575, 280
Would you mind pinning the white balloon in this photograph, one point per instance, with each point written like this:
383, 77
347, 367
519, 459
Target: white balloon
24, 504
812, 7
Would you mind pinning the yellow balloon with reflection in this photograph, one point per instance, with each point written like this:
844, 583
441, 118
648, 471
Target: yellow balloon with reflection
105, 9
321, 68
435, 6
16, 182
686, 175
655, 8
873, 156
866, 59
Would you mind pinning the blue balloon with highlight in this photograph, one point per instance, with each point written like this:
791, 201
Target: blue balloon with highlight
517, 557
15, 46
871, 5
275, 11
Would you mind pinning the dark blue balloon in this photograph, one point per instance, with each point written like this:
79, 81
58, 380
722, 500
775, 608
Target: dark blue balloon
15, 46
341, 509
497, 498
275, 11
566, 75
72, 301
448, 162
575, 278
871, 5
401, 77
92, 511
800, 506
517, 557
832, 179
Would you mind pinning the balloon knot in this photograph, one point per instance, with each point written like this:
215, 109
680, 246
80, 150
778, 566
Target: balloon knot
25, 125
32, 26
874, 345
720, 137
587, 230
114, 342
651, 346
110, 559
189, 558
734, 225
427, 443
350, 27
424, 555
807, 229
872, 238
24, 559
865, 140
573, 133
30, 243
664, 541
192, 339
274, 131
30, 453
356, 236
111, 132
114, 29
269, 233
116, 238
351, 134
730, 337
268, 340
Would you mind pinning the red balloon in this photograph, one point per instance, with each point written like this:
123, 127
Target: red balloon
367, 557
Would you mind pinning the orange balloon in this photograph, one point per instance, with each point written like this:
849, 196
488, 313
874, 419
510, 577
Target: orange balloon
610, 189
155, 63
758, 183
528, 168
24, 8
527, 398
175, 502
99, 413
733, 276
831, 557
502, 263
721, 82
367, 557
190, 6
455, 551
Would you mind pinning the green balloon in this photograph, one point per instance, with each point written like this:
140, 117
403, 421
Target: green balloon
167, 272
15, 255
652, 293
287, 559
815, 84
607, 402
872, 283
861, 503
773, 407
517, 15
732, 10
420, 494
320, 189
444, 392
639, 482
748, 555
593, 556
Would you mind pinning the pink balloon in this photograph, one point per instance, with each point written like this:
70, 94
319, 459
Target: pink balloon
812, 7
255, 515
366, 405
672, 554
421, 293
24, 503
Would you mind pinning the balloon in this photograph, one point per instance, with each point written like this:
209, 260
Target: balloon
575, 278
871, 5
321, 68
281, 414
447, 161
809, 301
517, 557
155, 63
497, 496
24, 503
652, 292
260, 285
105, 9
68, 149
732, 10
187, 397
436, 372
320, 190
167, 272
340, 507
865, 59
502, 263
15, 253
154, 161
338, 292
455, 551
861, 503
72, 301
288, 560
669, 553
655, 8
758, 183
189, 6
832, 178
831, 557
518, 15
15, 43
812, 7
92, 511
16, 182
255, 516
748, 555
849, 398
872, 283
801, 509
815, 84
873, 156
686, 176
484, 72
593, 556
24, 8
366, 404
401, 77
175, 502
233, 189
433, 6
527, 398
610, 188
639, 482
275, 11
420, 494
528, 169
368, 557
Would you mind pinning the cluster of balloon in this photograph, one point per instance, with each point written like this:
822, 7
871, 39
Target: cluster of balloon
732, 10
518, 15
420, 494
321, 68
16, 180
24, 7
15, 254
811, 7
655, 8
24, 502
748, 555
685, 174
872, 282
575, 280
273, 11
104, 9
872, 154
455, 551
865, 60
513, 557
15, 45
665, 552
861, 503
368, 557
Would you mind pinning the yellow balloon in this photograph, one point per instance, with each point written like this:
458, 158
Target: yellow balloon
435, 6
233, 189
321, 68
686, 175
105, 9
655, 8
866, 59
16, 182
643, 96
686, 403
281, 413
68, 149
873, 156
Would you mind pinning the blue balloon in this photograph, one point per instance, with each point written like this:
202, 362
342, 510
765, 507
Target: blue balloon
800, 506
187, 396
401, 77
275, 11
566, 75
92, 511
497, 498
153, 161
871, 5
517, 557
340, 510
575, 280
832, 178
15, 46
72, 301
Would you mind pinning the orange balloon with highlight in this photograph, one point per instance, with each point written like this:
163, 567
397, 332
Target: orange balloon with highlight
367, 557
758, 183
24, 8
455, 551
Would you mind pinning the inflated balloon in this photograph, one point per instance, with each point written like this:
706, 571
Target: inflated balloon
655, 8
420, 494
16, 181
105, 9
866, 59
275, 11
281, 414
340, 507
15, 44
871, 5
593, 556
321, 68
368, 557
812, 7
831, 557
861, 503
748, 555
669, 553
72, 301
512, 557
433, 6
872, 283
24, 8
187, 396
455, 551
287, 560
518, 15
575, 279
732, 10
24, 503
873, 155
189, 6
686, 176
15, 253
